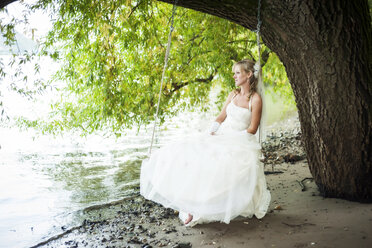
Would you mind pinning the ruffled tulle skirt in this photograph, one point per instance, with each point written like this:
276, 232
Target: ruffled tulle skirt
213, 177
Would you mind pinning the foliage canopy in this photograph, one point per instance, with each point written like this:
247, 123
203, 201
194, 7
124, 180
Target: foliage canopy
112, 55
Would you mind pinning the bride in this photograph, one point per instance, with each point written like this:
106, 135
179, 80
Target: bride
216, 176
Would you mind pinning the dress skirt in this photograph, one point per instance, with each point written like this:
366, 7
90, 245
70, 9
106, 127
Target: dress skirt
213, 177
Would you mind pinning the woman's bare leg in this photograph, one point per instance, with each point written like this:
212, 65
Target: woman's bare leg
189, 219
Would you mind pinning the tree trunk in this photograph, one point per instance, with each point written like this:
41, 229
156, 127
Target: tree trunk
326, 49
4, 3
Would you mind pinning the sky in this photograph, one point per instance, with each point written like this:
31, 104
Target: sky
39, 21
13, 103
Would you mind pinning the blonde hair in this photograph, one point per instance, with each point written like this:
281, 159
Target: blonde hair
247, 65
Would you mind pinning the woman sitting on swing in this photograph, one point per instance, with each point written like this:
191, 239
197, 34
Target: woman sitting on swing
219, 176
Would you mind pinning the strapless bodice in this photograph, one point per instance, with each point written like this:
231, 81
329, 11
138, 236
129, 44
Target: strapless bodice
237, 119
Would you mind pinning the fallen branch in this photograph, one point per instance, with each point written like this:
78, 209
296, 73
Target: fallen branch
94, 207
109, 204
303, 187
298, 225
272, 172
56, 236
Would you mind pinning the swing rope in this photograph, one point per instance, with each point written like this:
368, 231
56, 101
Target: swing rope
258, 30
171, 28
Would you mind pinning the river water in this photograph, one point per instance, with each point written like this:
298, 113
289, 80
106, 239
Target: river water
45, 181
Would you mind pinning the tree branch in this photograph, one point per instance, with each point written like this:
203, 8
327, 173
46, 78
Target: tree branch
134, 8
243, 40
177, 86
242, 12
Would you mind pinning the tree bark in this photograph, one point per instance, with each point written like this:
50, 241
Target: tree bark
4, 3
326, 48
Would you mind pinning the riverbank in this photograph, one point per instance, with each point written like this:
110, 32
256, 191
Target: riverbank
298, 216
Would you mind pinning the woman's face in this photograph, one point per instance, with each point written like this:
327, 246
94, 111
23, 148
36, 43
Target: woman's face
240, 76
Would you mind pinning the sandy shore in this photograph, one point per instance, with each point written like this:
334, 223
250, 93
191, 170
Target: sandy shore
296, 218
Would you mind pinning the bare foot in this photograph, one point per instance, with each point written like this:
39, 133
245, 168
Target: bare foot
189, 219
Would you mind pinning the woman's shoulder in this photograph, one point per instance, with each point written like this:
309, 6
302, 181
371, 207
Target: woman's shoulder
256, 96
256, 99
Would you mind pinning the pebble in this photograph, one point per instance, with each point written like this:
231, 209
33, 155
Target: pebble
183, 245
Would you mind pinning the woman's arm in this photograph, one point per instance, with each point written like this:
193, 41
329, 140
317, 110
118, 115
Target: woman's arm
222, 116
256, 113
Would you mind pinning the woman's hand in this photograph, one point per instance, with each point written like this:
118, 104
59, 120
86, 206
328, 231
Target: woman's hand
213, 129
245, 132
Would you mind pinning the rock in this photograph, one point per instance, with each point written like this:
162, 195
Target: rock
135, 240
182, 245
278, 207
169, 229
70, 242
292, 158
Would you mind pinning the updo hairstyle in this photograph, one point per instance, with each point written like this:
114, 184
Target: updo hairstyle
247, 65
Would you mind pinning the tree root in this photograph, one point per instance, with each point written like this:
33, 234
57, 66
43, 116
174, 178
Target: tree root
303, 187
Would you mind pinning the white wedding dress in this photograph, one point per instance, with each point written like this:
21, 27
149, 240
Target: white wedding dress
213, 177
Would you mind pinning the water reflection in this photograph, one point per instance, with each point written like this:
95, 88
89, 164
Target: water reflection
95, 177
45, 181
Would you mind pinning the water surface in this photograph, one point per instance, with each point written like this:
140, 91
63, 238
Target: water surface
45, 181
